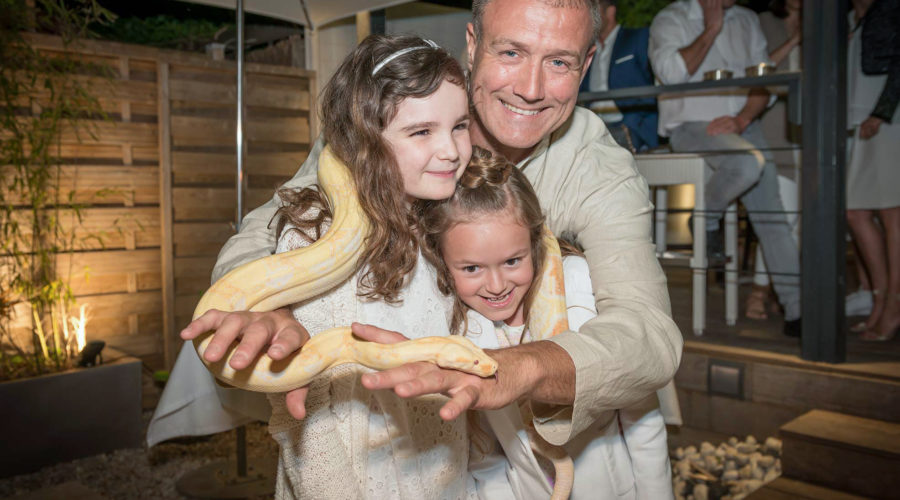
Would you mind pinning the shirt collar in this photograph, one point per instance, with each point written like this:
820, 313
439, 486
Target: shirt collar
610, 38
538, 151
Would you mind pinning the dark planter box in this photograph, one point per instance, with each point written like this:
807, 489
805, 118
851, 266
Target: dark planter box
63, 416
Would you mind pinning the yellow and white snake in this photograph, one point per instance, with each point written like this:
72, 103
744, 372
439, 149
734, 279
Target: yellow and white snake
290, 277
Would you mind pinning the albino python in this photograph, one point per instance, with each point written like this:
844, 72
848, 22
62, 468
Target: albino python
290, 277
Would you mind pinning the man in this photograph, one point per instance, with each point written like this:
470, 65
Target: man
687, 39
622, 61
527, 58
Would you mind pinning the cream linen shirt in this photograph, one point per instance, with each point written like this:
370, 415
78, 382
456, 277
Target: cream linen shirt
589, 188
740, 44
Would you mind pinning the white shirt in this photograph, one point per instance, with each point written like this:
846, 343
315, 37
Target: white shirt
599, 79
740, 44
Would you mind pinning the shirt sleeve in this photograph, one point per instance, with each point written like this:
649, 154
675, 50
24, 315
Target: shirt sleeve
667, 37
632, 347
256, 239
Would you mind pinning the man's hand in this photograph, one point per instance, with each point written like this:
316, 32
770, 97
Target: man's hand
726, 125
276, 332
713, 15
519, 373
869, 128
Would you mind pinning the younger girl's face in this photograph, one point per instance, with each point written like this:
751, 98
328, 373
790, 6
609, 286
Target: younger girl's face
429, 137
491, 265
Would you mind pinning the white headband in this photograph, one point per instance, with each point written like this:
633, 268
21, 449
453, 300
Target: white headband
401, 52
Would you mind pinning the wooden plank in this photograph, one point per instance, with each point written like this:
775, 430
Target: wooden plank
107, 132
862, 396
692, 374
103, 228
733, 416
200, 239
102, 184
166, 210
108, 271
192, 274
223, 92
783, 488
195, 131
199, 204
844, 459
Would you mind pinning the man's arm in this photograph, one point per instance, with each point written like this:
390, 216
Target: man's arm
757, 101
672, 60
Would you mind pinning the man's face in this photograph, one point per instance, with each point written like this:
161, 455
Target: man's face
526, 69
727, 4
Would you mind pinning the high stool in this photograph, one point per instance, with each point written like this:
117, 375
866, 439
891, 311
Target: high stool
670, 169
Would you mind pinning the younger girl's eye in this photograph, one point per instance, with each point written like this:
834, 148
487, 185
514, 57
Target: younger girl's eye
422, 132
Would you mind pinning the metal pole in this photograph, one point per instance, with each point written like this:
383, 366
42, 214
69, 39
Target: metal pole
824, 146
239, 139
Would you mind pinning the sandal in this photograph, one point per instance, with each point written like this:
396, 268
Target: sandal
755, 307
863, 326
870, 335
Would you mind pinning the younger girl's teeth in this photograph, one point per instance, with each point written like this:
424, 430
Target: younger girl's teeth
520, 111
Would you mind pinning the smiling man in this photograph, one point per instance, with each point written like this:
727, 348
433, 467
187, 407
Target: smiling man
527, 59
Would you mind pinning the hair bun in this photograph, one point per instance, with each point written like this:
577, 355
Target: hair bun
484, 167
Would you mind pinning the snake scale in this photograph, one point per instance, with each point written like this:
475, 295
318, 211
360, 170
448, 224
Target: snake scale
285, 278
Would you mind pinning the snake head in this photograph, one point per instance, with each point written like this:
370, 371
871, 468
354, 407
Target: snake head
461, 354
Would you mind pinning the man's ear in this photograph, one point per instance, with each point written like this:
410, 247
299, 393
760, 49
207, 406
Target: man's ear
587, 60
471, 42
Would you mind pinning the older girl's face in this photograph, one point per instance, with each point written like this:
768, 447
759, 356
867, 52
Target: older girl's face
429, 137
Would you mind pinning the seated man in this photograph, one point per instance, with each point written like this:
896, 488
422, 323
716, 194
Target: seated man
687, 39
621, 61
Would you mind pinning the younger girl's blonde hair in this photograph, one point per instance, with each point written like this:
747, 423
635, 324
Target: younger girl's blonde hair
491, 184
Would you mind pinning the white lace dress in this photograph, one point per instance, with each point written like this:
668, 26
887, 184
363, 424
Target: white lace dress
359, 444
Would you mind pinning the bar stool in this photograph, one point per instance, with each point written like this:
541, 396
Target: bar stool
669, 169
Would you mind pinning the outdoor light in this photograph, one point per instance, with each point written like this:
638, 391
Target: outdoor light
91, 352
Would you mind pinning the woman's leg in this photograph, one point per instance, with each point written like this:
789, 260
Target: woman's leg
889, 321
871, 244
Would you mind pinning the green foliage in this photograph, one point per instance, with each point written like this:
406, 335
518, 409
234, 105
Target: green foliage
39, 95
162, 31
638, 13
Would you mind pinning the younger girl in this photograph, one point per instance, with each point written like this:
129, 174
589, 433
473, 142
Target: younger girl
396, 113
485, 242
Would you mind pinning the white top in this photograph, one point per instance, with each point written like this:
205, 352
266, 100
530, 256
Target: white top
632, 464
599, 79
740, 44
355, 443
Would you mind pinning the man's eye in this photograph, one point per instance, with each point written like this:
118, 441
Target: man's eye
559, 63
509, 53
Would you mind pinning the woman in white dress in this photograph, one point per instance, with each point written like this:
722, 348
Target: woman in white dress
873, 196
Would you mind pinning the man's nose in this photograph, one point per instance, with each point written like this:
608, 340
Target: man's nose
530, 81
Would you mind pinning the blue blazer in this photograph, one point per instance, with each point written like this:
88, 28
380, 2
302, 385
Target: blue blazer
629, 66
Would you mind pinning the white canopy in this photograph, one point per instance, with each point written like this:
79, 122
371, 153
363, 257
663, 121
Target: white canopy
320, 11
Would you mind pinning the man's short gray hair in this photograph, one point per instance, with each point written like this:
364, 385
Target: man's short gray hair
478, 7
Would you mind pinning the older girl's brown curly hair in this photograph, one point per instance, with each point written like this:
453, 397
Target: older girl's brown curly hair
490, 184
356, 107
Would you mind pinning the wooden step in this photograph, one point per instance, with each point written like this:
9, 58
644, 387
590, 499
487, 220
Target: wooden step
844, 452
791, 489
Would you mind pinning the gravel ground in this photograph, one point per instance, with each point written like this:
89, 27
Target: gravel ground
141, 473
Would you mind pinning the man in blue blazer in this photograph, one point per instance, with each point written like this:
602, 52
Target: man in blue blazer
621, 61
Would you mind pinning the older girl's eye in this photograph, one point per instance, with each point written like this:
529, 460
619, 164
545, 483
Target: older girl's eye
462, 126
470, 269
514, 261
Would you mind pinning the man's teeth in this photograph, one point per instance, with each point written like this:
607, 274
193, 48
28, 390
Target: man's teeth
520, 111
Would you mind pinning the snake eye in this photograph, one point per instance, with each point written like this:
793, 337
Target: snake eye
476, 361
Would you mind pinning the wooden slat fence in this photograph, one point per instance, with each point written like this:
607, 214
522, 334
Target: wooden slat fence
164, 163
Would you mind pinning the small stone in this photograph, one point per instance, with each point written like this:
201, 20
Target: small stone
733, 441
746, 472
750, 439
771, 475
730, 475
720, 452
707, 449
773, 444
731, 465
679, 453
757, 472
766, 461
679, 486
701, 492
690, 450
745, 448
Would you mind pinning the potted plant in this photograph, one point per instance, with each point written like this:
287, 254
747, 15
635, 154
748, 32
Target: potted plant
53, 410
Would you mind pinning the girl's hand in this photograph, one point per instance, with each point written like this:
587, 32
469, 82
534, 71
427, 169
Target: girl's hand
869, 128
276, 332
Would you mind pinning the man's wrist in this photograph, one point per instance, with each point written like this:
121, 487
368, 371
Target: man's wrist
742, 122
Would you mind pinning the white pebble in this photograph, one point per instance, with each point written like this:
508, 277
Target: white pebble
733, 441
745, 448
746, 472
679, 453
766, 461
750, 439
771, 475
773, 444
730, 475
730, 465
690, 450
707, 448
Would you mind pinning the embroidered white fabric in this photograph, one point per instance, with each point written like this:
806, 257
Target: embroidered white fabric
395, 448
